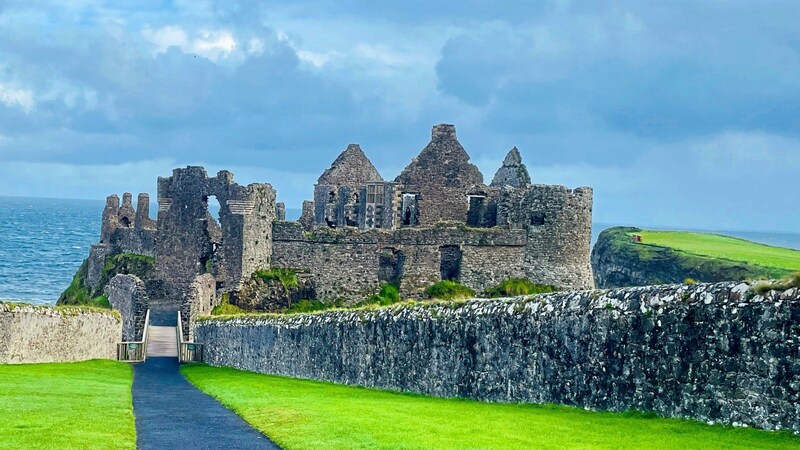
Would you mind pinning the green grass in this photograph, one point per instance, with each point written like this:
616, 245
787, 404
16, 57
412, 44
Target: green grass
301, 414
449, 290
519, 286
83, 405
287, 277
718, 246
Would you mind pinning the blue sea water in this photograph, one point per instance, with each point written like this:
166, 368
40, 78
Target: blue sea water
44, 241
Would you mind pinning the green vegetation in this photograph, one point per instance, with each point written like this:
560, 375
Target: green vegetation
724, 247
449, 290
74, 405
388, 295
78, 294
302, 414
654, 261
225, 308
519, 286
306, 306
122, 263
792, 281
287, 277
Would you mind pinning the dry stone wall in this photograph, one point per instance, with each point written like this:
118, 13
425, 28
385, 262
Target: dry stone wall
715, 353
33, 334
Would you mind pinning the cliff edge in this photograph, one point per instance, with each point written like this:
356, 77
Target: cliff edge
619, 261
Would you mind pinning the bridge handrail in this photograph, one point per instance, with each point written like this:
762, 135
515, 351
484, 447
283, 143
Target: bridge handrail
135, 351
188, 351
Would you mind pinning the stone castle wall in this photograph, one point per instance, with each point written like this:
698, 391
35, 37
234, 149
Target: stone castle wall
33, 334
346, 264
559, 230
714, 353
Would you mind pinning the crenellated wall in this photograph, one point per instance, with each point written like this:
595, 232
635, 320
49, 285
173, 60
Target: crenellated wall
715, 353
38, 334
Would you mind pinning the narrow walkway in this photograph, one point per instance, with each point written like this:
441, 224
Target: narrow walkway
173, 414
162, 341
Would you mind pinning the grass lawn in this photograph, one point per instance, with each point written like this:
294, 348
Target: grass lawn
718, 246
67, 406
301, 414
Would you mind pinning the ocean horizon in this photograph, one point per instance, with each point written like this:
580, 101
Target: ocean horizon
43, 241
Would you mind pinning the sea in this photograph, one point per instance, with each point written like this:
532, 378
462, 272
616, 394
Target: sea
44, 241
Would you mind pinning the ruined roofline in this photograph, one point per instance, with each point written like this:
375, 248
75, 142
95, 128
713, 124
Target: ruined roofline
351, 168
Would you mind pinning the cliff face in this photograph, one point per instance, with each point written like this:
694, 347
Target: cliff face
619, 262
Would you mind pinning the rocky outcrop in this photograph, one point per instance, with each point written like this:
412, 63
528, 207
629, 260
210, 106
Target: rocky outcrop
711, 352
617, 261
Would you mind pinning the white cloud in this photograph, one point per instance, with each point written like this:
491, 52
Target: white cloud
14, 97
211, 44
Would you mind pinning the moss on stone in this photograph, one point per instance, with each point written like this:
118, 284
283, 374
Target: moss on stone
519, 286
449, 290
77, 293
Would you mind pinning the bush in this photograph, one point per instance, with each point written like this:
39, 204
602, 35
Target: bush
388, 295
689, 281
519, 286
287, 277
449, 290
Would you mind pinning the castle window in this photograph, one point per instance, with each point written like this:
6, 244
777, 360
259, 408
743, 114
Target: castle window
126, 222
332, 196
409, 211
450, 265
375, 193
537, 218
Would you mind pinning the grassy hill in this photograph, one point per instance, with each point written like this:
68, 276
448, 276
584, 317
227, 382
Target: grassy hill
673, 256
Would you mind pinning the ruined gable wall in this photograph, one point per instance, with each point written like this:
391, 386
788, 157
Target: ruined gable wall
345, 263
558, 223
441, 175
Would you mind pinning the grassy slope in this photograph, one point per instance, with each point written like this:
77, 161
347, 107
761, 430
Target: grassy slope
718, 246
301, 414
72, 405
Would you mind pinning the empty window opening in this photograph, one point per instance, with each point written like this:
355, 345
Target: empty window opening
390, 268
477, 210
450, 262
537, 218
410, 210
126, 222
332, 196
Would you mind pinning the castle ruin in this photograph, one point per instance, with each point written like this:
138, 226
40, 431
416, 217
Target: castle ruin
435, 221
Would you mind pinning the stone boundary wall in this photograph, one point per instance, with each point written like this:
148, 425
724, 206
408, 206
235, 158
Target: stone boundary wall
713, 352
37, 334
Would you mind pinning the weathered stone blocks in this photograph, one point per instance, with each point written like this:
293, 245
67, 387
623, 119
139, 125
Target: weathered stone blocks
715, 353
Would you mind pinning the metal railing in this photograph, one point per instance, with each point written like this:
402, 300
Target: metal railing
187, 351
135, 351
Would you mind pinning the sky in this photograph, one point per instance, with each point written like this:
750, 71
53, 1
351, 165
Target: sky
680, 114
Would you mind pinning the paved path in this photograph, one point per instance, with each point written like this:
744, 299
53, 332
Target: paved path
172, 414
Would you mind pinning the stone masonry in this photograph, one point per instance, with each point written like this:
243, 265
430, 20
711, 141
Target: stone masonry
715, 353
38, 334
436, 221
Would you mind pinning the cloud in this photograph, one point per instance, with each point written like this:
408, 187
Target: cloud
677, 113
